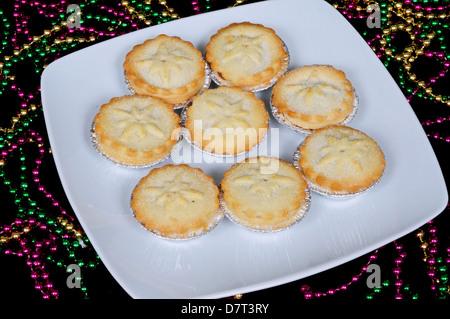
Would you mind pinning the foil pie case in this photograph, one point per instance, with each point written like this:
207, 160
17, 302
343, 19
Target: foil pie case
285, 121
206, 85
324, 192
217, 218
296, 218
99, 150
187, 136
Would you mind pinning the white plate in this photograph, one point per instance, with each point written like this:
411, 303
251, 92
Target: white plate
231, 259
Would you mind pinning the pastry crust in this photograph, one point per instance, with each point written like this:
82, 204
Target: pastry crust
226, 120
264, 193
314, 96
136, 130
340, 160
177, 202
247, 55
166, 67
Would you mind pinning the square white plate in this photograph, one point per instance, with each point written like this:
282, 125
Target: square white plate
230, 259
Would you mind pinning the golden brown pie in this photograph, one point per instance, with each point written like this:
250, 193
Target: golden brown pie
264, 193
314, 96
136, 130
226, 120
340, 160
247, 55
177, 202
166, 67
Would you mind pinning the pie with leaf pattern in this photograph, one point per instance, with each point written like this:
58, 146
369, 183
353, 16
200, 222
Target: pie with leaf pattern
177, 202
136, 130
166, 67
247, 55
264, 193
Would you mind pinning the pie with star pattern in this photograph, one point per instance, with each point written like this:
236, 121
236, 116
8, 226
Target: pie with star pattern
226, 120
340, 160
177, 202
247, 55
314, 96
136, 130
264, 193
166, 67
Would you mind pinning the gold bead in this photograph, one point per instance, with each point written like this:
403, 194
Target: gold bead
148, 22
438, 98
3, 239
428, 90
424, 245
421, 83
412, 76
